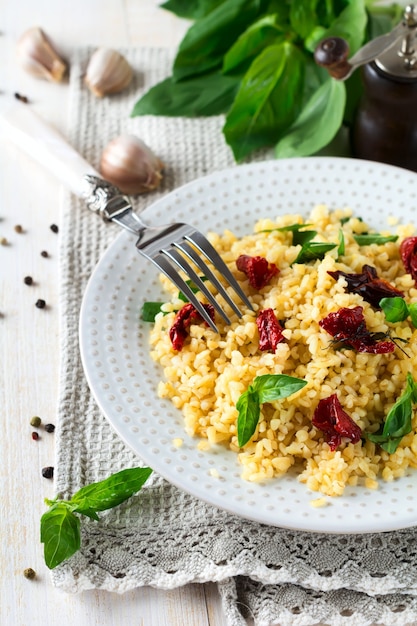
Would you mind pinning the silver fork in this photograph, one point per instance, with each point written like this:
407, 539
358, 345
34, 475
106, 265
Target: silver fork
170, 247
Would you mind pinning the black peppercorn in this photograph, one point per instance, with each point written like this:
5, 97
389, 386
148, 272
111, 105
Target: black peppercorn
41, 304
44, 253
54, 228
19, 96
48, 472
28, 280
49, 428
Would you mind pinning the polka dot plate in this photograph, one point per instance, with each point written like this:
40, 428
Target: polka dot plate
123, 377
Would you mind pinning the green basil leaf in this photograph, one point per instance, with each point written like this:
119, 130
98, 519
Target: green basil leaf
395, 309
350, 24
313, 250
111, 491
256, 38
302, 237
193, 288
317, 124
412, 310
268, 99
150, 310
271, 387
211, 94
249, 411
341, 248
60, 534
368, 239
191, 9
303, 16
208, 39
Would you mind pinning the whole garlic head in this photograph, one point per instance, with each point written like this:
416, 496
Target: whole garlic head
130, 164
107, 72
38, 57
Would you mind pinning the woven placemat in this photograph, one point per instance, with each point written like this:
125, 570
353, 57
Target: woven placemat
163, 536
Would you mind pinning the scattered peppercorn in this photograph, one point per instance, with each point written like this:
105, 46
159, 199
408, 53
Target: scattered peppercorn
3, 241
48, 472
28, 280
35, 421
41, 304
44, 253
35, 436
29, 573
49, 428
18, 229
23, 99
54, 228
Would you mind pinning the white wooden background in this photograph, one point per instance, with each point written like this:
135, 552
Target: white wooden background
29, 336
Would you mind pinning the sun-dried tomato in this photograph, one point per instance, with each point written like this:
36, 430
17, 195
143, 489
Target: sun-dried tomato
270, 330
334, 422
408, 253
348, 327
186, 316
257, 269
368, 285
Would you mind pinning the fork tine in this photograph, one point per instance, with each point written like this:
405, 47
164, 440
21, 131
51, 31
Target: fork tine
207, 249
173, 254
163, 264
192, 254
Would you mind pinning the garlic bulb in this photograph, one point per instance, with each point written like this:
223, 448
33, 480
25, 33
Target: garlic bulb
130, 164
107, 72
38, 57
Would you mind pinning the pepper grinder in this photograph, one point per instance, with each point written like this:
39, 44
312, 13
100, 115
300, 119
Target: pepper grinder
385, 124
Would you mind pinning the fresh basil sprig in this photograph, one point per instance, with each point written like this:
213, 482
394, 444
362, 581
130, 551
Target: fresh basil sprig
253, 61
397, 310
266, 388
398, 420
313, 250
150, 310
60, 526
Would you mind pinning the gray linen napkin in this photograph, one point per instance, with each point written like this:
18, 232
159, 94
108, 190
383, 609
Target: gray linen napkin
163, 536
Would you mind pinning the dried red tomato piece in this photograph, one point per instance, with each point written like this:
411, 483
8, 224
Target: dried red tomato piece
408, 253
270, 330
368, 285
186, 316
334, 422
257, 269
348, 327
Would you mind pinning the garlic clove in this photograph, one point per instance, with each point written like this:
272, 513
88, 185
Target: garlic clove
38, 57
107, 72
130, 164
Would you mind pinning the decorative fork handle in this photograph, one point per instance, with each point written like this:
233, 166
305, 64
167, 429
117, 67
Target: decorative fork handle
48, 147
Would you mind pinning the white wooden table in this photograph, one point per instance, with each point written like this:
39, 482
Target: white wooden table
29, 336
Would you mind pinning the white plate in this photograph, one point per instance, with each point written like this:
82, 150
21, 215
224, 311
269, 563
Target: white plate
123, 378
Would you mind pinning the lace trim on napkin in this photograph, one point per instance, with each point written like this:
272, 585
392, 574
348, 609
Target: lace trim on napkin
162, 536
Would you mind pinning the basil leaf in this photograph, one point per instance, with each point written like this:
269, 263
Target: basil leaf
313, 250
317, 124
110, 492
350, 24
60, 534
150, 310
268, 99
303, 16
249, 411
271, 387
256, 38
398, 421
208, 39
368, 239
395, 309
190, 9
193, 288
302, 237
412, 310
211, 94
